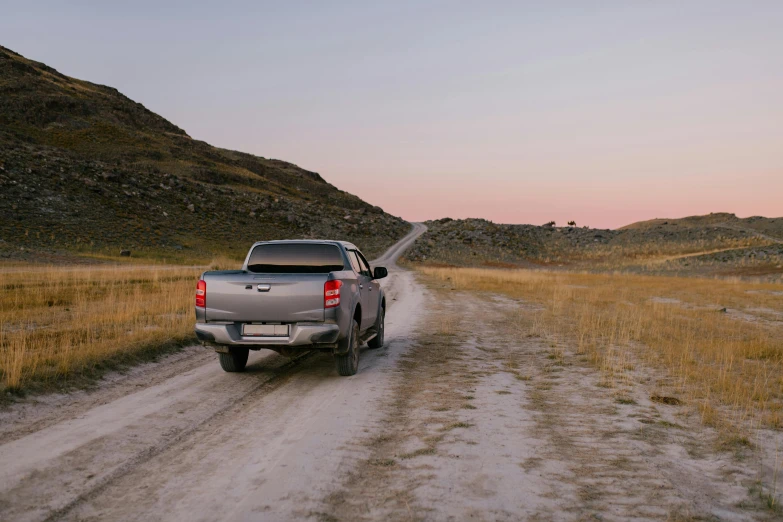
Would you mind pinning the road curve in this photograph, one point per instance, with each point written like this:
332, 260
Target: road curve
182, 440
389, 258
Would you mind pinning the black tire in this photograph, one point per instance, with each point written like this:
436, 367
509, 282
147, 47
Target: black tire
235, 360
380, 327
348, 364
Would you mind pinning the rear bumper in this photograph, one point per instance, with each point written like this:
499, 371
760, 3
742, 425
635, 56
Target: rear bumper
301, 334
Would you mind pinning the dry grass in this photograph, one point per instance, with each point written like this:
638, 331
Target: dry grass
730, 364
60, 323
225, 263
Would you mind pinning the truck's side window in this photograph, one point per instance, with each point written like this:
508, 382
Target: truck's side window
354, 262
360, 267
364, 264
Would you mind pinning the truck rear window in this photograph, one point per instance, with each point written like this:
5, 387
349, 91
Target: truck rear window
295, 258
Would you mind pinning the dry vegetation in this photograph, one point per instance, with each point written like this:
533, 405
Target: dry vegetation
59, 325
727, 362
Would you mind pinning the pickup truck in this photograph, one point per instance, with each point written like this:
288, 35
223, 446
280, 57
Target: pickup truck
293, 296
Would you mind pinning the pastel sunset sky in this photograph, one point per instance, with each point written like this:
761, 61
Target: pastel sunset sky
519, 112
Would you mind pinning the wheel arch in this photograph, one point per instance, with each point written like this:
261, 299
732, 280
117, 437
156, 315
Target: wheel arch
357, 314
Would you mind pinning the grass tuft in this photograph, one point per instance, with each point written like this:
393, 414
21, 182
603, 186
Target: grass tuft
417, 453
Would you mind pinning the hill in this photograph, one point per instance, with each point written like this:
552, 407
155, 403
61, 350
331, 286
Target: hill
772, 227
84, 169
714, 244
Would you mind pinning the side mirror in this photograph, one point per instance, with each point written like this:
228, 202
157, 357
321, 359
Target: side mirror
380, 272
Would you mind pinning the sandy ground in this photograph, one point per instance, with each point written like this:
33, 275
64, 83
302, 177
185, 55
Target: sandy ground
461, 416
490, 422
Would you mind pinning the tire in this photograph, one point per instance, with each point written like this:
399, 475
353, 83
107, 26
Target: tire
235, 360
380, 328
348, 364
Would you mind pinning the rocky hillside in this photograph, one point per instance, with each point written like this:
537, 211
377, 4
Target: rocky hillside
763, 226
714, 243
84, 169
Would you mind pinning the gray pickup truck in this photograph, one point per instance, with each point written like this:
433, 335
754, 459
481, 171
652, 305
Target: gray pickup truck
293, 296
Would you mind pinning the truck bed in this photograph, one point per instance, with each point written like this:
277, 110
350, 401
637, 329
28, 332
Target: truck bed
241, 296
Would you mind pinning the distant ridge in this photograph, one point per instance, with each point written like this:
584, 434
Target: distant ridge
712, 244
769, 227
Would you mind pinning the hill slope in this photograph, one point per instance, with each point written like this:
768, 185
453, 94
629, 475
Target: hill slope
85, 169
717, 243
763, 226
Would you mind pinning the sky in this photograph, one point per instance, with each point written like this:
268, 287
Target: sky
604, 113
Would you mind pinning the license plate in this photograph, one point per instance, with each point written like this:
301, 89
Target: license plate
265, 330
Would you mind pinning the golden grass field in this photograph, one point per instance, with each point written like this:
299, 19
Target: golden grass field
57, 324
62, 323
729, 364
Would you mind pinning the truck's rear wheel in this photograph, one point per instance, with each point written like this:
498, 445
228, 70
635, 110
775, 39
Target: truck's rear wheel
377, 341
235, 360
348, 363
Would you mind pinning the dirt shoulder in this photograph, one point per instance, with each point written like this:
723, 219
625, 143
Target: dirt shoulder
489, 422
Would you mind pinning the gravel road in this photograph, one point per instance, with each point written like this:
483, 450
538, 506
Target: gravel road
182, 440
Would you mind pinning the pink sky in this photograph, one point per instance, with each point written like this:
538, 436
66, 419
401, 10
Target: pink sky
602, 112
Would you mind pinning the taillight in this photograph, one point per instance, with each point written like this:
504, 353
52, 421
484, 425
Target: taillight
201, 294
332, 293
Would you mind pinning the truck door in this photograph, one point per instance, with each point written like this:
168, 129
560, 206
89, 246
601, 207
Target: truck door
374, 300
365, 289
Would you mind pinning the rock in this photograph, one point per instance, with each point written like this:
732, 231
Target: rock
125, 253
192, 207
252, 214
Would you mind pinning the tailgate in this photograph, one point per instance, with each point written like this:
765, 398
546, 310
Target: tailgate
265, 297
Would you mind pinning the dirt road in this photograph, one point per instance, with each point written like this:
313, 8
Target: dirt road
182, 440
465, 414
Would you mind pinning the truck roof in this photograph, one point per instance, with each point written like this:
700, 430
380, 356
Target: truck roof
346, 244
